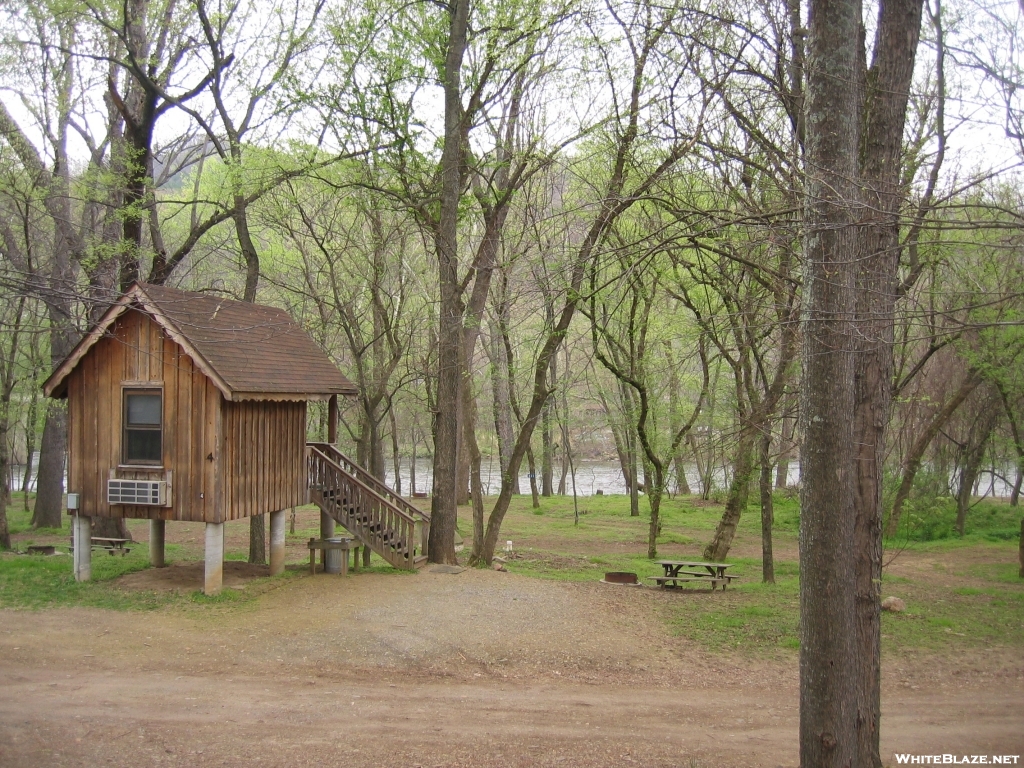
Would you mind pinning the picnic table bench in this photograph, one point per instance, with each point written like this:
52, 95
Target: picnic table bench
110, 545
678, 572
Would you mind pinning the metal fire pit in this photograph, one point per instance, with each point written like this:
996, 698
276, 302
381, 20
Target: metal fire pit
620, 577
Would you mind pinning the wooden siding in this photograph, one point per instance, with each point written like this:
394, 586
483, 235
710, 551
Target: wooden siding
226, 460
264, 456
137, 354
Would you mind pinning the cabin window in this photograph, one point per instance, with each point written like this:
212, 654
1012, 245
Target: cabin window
143, 426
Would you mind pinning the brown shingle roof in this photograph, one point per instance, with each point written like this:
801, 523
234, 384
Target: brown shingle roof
251, 351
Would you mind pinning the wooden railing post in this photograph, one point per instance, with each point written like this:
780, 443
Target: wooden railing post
349, 494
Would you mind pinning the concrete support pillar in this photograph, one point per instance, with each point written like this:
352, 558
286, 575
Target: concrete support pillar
277, 542
83, 547
214, 558
156, 543
76, 545
326, 532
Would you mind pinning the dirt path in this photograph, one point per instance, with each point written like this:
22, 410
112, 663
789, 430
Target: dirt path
471, 669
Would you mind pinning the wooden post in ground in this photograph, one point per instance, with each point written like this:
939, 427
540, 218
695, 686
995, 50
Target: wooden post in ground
1020, 550
277, 543
214, 572
157, 530
82, 529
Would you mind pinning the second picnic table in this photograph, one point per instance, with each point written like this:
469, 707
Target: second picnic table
677, 571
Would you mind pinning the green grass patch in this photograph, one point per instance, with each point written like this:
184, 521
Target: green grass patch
19, 520
983, 604
36, 581
933, 518
750, 617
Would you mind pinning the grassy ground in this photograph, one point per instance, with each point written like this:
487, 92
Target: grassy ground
33, 582
960, 593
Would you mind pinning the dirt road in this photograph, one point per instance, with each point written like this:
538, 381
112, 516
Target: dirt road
471, 669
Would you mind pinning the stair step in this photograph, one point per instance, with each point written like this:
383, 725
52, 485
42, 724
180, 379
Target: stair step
357, 512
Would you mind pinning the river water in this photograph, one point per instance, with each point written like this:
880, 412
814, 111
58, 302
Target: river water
591, 477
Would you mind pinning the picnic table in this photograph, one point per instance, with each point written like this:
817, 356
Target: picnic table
677, 572
108, 544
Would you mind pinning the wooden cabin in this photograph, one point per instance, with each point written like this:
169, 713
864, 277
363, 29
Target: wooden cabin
189, 406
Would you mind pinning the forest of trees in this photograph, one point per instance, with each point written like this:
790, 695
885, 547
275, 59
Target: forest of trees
535, 233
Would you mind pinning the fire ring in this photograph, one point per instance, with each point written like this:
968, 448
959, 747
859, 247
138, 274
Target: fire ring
621, 577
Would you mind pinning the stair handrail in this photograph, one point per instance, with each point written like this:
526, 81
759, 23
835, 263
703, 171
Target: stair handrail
369, 480
383, 499
327, 465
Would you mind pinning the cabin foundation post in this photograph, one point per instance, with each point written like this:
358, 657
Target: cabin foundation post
157, 529
82, 529
214, 558
277, 543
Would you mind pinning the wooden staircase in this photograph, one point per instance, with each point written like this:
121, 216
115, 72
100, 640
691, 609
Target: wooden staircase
374, 514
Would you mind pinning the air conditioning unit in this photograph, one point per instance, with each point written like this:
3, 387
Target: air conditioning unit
152, 492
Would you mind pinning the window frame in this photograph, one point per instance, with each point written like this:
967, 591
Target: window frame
127, 392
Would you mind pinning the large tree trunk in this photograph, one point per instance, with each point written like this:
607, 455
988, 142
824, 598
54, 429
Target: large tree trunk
502, 405
476, 487
257, 523
370, 446
68, 249
828, 690
50, 480
53, 447
441, 547
887, 89
30, 444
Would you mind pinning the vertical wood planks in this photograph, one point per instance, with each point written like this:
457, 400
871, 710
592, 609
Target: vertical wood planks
258, 447
213, 435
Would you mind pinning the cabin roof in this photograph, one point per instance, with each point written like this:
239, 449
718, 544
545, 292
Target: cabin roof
249, 351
